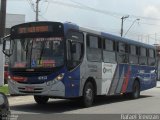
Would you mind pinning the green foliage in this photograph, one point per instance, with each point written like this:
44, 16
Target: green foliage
4, 89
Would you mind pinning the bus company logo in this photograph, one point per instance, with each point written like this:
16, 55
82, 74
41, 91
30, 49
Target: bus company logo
107, 70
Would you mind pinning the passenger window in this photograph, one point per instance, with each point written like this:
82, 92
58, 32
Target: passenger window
151, 53
94, 48
143, 56
109, 45
109, 54
151, 58
133, 56
133, 50
122, 54
143, 51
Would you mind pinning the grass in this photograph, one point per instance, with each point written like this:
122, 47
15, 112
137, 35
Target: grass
4, 89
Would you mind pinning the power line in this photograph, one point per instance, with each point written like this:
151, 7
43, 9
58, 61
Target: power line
85, 8
113, 14
30, 2
82, 6
43, 17
46, 9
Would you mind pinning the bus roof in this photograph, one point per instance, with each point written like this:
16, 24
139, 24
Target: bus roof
69, 25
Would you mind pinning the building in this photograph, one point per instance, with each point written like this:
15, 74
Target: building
11, 19
158, 59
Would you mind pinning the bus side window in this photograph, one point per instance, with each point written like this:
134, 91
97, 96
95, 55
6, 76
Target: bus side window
94, 45
151, 57
122, 54
133, 56
109, 54
143, 56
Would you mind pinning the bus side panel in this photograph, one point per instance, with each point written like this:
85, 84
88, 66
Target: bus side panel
108, 71
125, 75
124, 78
146, 76
133, 75
120, 79
114, 82
92, 70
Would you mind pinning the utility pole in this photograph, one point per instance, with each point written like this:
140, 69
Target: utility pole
37, 9
2, 17
2, 33
156, 38
123, 18
148, 39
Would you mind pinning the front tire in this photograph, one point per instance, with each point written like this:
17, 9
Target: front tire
88, 94
41, 99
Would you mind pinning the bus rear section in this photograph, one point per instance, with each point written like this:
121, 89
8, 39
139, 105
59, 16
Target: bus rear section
118, 66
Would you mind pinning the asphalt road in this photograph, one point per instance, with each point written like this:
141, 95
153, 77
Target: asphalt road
148, 103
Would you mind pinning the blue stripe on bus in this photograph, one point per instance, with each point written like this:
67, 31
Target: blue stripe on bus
123, 78
146, 77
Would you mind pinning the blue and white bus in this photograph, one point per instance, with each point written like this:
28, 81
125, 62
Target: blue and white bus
63, 60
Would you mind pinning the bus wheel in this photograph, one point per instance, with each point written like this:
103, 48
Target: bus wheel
135, 90
88, 94
41, 99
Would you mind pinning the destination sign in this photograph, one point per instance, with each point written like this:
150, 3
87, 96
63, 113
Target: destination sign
37, 30
34, 29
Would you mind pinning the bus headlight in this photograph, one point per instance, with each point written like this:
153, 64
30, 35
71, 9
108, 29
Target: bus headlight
9, 77
59, 77
12, 81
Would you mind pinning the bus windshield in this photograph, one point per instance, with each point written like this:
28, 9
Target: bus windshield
38, 53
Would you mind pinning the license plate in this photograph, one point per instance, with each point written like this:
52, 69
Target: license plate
29, 88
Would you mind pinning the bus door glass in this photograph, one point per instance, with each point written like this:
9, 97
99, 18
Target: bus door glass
75, 51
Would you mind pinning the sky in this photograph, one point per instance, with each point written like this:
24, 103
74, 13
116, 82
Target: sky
100, 15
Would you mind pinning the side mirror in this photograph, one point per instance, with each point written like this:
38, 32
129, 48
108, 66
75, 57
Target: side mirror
8, 46
4, 107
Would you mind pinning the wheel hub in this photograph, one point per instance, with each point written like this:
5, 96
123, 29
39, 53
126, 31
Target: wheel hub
89, 94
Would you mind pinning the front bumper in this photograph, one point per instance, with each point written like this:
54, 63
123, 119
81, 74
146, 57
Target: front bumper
50, 88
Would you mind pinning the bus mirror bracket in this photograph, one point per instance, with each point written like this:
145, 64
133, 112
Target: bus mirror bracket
7, 46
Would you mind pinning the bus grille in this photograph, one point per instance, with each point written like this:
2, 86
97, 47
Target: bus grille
31, 82
28, 74
35, 90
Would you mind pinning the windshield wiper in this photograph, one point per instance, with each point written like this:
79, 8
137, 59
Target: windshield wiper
26, 49
42, 51
31, 52
24, 43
